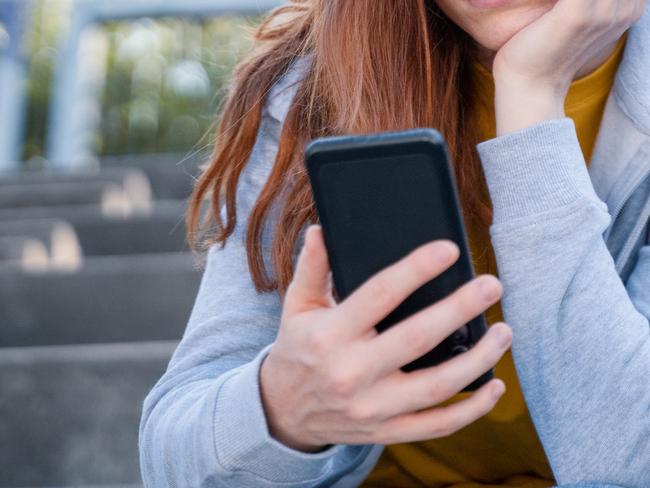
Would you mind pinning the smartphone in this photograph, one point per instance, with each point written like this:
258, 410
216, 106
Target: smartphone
379, 197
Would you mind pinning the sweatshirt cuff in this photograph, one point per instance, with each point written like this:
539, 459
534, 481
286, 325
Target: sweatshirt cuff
536, 169
244, 444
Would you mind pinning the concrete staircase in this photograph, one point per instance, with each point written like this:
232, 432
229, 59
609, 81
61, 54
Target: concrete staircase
96, 286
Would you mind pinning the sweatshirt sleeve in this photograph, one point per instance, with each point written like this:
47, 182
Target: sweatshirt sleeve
203, 423
581, 337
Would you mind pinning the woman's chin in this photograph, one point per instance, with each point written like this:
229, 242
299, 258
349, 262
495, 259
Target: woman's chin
492, 27
504, 26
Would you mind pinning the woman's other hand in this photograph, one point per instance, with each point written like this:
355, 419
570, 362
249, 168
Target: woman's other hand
534, 69
330, 378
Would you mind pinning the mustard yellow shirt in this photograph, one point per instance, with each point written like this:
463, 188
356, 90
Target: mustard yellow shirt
501, 449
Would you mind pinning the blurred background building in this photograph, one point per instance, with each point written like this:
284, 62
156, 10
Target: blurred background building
107, 107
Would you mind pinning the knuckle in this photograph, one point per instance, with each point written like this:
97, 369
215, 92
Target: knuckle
463, 303
342, 382
362, 413
440, 428
484, 354
318, 341
380, 290
440, 387
489, 356
416, 341
450, 421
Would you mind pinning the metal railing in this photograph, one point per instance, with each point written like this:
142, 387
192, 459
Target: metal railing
68, 142
13, 76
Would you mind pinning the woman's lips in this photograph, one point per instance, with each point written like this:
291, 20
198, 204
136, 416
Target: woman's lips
489, 3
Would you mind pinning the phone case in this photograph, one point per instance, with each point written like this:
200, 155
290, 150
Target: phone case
380, 196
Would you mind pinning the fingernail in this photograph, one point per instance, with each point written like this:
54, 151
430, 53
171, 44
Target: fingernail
489, 290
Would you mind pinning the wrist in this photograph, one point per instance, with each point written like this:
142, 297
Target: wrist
272, 412
522, 103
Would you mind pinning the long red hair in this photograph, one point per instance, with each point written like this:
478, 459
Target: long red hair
374, 66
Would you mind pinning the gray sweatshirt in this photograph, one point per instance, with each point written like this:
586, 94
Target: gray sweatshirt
573, 253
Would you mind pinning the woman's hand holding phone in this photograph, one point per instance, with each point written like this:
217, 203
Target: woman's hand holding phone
330, 378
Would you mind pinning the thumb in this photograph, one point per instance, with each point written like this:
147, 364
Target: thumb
311, 286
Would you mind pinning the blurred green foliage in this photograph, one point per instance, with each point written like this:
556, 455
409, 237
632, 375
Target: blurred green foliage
48, 22
163, 79
166, 80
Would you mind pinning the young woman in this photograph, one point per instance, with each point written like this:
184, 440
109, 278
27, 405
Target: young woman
545, 105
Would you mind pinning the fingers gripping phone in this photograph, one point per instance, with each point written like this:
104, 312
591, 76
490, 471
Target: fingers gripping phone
379, 197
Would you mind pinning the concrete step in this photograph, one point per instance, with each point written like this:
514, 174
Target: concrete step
171, 176
110, 299
158, 230
24, 253
84, 213
56, 236
107, 195
70, 414
133, 181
